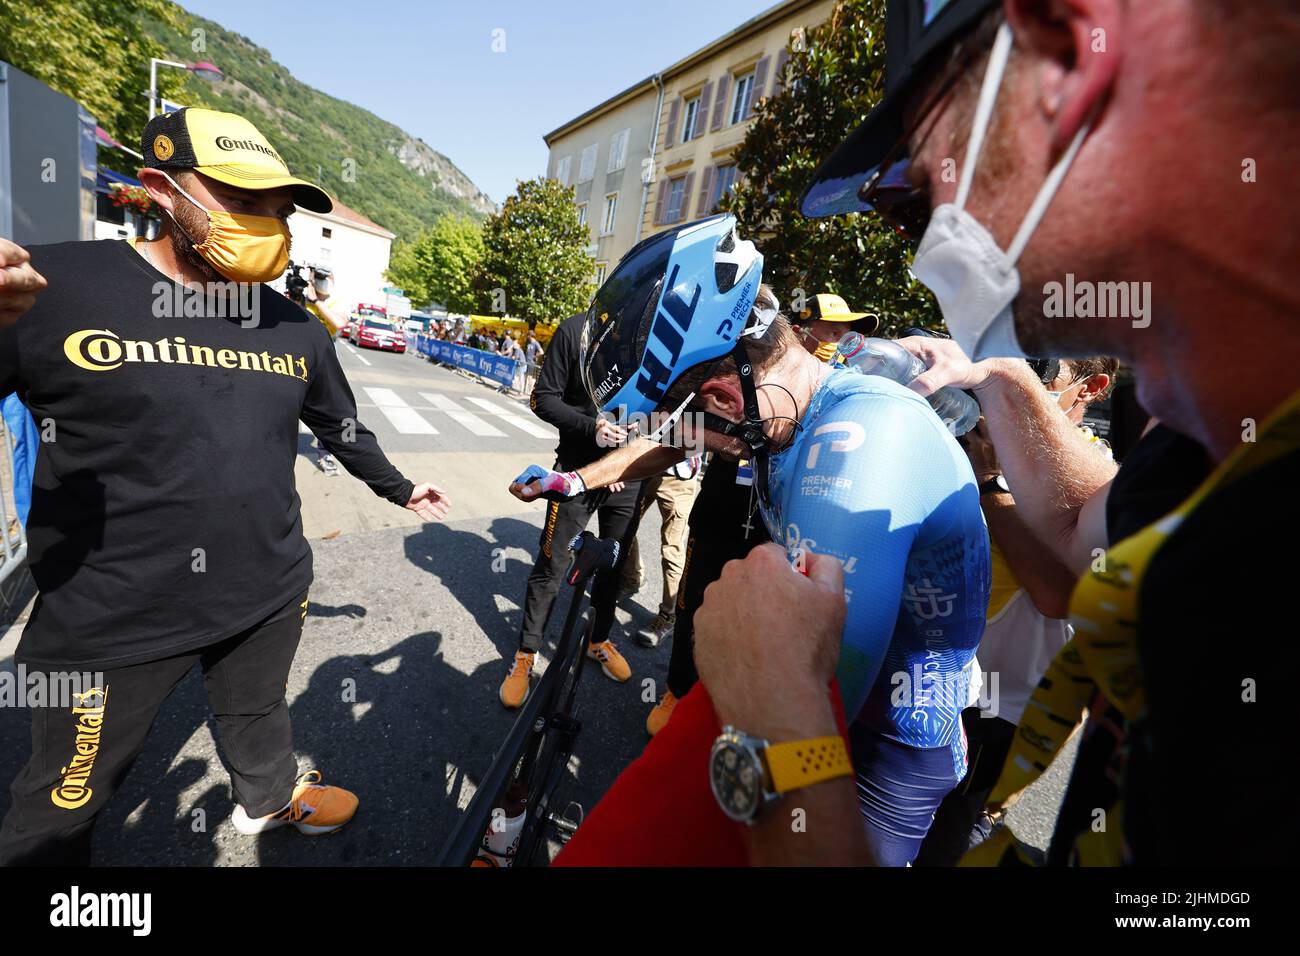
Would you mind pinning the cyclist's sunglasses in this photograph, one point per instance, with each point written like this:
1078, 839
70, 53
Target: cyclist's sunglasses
890, 190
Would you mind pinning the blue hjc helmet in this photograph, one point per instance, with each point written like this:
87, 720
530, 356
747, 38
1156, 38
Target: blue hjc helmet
676, 300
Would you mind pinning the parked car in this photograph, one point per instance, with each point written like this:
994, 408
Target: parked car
380, 334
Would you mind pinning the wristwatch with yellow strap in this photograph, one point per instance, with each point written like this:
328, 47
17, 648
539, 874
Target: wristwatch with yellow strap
749, 774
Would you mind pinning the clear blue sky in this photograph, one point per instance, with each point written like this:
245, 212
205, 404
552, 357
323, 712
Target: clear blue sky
429, 66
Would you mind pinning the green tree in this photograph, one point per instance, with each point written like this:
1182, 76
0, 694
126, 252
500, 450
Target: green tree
408, 272
95, 52
831, 85
437, 266
534, 256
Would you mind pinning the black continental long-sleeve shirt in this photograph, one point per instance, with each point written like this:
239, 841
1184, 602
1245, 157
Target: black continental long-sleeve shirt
560, 398
164, 514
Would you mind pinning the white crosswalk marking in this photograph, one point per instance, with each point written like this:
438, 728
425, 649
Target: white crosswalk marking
303, 429
402, 416
458, 413
523, 424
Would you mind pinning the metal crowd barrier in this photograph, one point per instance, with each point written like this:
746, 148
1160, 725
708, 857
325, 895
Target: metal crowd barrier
488, 367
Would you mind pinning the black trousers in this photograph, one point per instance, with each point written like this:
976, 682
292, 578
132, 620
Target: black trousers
988, 740
82, 753
708, 548
615, 513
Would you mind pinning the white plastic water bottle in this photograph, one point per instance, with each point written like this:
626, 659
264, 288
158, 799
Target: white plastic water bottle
501, 839
870, 356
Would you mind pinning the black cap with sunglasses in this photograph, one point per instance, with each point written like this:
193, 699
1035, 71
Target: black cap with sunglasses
917, 34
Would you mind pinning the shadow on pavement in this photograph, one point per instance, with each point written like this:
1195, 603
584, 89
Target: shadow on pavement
403, 727
390, 726
343, 610
462, 561
612, 715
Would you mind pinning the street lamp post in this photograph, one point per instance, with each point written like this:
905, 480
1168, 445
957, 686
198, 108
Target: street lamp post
206, 71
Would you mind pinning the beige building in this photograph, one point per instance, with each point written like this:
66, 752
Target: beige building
683, 126
709, 103
605, 154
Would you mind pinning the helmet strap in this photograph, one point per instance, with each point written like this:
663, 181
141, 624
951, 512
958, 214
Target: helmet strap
750, 428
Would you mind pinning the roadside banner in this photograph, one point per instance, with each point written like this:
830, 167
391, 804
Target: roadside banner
486, 364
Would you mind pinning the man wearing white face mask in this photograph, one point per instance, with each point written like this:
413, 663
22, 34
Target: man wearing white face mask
165, 531
1084, 146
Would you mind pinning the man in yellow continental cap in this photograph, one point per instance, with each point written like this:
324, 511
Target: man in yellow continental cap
165, 532
826, 318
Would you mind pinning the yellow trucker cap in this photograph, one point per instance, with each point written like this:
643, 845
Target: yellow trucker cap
829, 307
226, 147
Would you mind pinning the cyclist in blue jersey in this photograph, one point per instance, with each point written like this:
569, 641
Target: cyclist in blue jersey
847, 465
875, 480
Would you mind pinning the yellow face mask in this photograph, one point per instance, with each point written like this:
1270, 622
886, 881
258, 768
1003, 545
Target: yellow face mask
242, 248
825, 351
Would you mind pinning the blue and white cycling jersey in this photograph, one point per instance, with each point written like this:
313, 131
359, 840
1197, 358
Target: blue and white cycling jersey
876, 480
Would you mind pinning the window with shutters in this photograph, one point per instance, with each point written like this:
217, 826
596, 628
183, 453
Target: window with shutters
691, 124
778, 75
611, 213
740, 100
724, 181
562, 170
702, 114
582, 213
618, 151
587, 168
676, 200
720, 102
702, 207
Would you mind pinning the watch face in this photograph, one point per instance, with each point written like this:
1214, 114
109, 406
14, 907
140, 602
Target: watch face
737, 780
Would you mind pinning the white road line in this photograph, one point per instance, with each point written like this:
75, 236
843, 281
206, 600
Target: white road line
303, 429
459, 414
364, 360
403, 417
523, 424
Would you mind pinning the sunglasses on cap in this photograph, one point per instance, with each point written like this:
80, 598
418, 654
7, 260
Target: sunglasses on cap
892, 191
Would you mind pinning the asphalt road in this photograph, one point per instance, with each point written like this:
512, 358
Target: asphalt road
393, 693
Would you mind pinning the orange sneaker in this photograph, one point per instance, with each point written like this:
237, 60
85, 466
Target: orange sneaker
314, 809
514, 689
660, 714
611, 661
